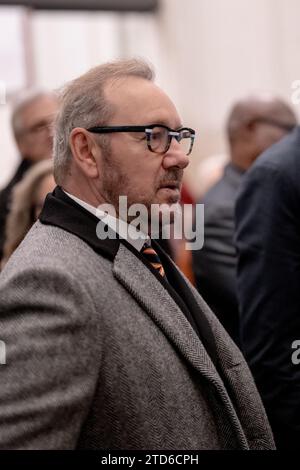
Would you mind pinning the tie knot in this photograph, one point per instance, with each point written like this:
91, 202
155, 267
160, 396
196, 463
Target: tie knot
153, 259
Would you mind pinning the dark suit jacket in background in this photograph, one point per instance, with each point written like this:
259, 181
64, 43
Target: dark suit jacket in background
268, 240
215, 264
5, 199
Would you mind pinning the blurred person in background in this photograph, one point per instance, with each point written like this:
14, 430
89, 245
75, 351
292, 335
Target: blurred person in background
26, 203
32, 119
208, 172
268, 279
254, 124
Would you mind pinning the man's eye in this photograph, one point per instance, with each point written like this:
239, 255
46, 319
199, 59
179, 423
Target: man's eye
139, 135
156, 135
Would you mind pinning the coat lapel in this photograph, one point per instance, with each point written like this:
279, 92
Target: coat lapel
164, 311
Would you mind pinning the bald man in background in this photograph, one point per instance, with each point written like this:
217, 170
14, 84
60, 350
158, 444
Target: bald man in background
254, 124
32, 118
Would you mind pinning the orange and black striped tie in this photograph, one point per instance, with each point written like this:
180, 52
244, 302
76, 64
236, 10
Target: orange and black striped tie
153, 259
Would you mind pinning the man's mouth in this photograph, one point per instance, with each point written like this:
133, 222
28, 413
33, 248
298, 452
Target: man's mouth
171, 185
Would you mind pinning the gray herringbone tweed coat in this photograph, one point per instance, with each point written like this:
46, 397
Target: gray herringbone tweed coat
98, 356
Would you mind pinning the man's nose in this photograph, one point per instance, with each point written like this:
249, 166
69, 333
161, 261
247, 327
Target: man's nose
175, 156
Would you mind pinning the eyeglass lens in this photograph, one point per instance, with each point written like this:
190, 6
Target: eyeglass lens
159, 140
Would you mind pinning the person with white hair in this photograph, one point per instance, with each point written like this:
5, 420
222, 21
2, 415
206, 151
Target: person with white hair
32, 119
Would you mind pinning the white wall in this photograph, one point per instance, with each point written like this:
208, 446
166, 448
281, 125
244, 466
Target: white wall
224, 49
207, 54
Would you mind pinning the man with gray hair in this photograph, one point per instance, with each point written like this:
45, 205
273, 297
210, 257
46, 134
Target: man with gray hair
108, 345
32, 119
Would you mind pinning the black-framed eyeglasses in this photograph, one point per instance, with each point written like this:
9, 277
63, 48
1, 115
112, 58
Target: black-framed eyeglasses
158, 136
273, 122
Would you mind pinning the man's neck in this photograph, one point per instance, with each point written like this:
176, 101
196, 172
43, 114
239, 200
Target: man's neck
84, 194
127, 231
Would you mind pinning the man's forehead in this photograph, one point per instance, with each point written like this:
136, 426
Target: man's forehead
138, 99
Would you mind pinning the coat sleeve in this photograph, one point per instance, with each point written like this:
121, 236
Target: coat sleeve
52, 359
267, 238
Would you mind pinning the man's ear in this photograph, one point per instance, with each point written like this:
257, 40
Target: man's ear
251, 126
86, 152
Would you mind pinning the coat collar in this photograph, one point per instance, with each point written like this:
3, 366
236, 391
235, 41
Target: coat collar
61, 211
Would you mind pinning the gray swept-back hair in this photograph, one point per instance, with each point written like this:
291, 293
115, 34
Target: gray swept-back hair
83, 104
